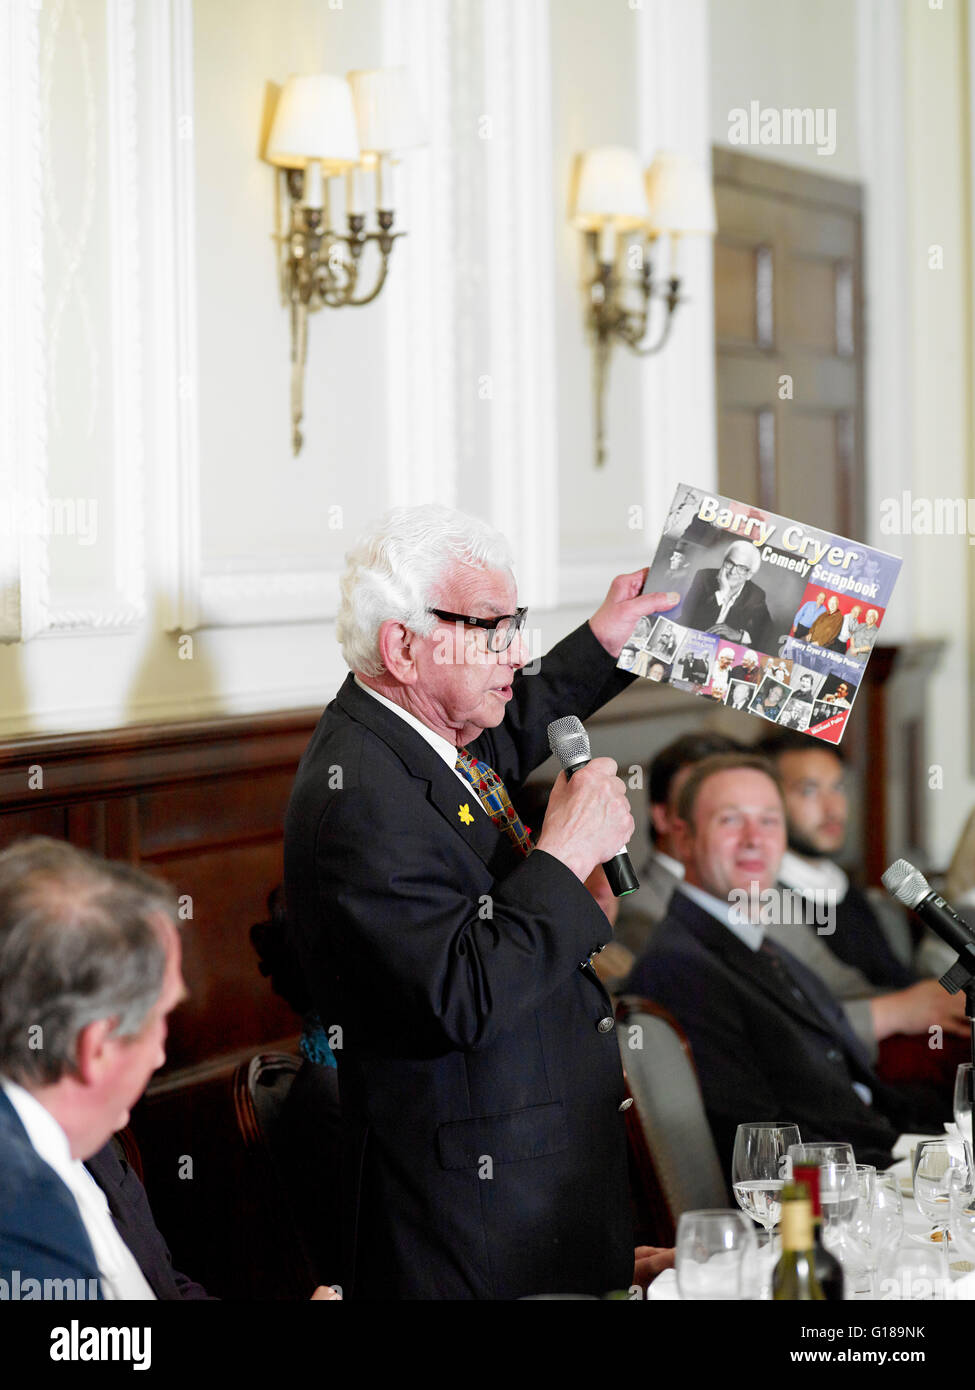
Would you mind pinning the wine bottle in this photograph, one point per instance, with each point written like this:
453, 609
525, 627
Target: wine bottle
829, 1271
795, 1274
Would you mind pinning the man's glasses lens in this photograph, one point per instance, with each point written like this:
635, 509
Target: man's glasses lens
501, 637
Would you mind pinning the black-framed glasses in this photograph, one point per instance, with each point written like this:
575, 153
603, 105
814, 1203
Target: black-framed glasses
736, 569
501, 631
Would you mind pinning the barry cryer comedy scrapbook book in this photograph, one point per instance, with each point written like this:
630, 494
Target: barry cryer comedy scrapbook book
776, 618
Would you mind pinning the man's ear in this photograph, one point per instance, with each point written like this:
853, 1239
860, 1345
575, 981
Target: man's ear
682, 837
659, 819
92, 1049
395, 650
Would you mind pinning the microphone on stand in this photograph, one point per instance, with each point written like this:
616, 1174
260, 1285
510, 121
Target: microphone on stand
569, 741
909, 886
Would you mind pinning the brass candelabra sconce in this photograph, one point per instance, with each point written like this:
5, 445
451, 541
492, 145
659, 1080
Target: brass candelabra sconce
626, 216
327, 131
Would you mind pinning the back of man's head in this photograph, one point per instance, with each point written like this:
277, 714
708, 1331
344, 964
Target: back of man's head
779, 741
670, 761
79, 942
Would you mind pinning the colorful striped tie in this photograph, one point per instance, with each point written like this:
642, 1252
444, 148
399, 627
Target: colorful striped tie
494, 797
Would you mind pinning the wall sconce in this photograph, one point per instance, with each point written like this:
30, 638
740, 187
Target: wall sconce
613, 201
325, 127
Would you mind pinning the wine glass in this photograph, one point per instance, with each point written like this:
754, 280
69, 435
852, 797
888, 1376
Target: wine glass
933, 1161
834, 1152
910, 1273
962, 1105
760, 1168
840, 1200
715, 1255
883, 1222
961, 1206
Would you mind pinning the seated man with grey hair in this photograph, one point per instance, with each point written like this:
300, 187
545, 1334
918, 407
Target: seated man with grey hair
89, 971
727, 601
448, 945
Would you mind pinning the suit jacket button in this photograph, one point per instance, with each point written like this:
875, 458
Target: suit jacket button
626, 1104
606, 1025
833, 1055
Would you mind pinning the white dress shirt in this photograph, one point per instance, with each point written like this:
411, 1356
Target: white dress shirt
728, 914
121, 1277
437, 742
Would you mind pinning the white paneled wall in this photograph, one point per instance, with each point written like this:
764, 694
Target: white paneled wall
145, 353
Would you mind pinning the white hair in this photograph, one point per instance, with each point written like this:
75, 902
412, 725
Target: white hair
394, 570
749, 554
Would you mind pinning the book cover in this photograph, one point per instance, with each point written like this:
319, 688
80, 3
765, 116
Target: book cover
776, 617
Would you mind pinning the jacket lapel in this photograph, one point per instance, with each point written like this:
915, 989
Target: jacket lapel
458, 805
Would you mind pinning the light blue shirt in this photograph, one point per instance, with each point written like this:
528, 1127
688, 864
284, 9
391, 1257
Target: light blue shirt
808, 613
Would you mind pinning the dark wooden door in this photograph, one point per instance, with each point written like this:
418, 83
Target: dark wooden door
789, 338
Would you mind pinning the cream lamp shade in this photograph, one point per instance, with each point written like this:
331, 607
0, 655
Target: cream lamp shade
681, 197
314, 120
609, 188
386, 111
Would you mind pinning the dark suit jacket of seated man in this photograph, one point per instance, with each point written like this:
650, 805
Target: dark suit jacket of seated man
479, 1070
769, 1040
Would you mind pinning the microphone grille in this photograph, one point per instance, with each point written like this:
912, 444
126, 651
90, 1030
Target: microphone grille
905, 883
568, 740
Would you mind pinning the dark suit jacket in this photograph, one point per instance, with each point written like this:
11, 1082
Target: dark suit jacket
41, 1232
748, 612
762, 1053
134, 1222
484, 1146
859, 940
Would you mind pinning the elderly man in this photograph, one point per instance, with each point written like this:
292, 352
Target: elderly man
727, 602
863, 635
89, 971
450, 944
769, 1040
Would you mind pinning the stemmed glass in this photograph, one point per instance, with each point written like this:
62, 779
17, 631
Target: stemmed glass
760, 1168
934, 1160
840, 1186
715, 1254
880, 1224
962, 1105
961, 1207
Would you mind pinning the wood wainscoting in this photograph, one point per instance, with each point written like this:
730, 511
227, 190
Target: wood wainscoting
202, 804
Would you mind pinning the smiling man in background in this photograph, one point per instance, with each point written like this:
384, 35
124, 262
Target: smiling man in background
769, 1040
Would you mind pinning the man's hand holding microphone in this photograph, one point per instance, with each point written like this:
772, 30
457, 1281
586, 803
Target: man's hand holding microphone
588, 816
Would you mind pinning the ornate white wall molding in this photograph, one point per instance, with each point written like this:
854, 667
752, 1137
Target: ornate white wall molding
254, 597
886, 307
171, 296
419, 297
520, 200
23, 419
678, 385
27, 92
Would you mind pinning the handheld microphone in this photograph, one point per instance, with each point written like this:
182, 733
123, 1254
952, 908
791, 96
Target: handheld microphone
909, 886
569, 742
